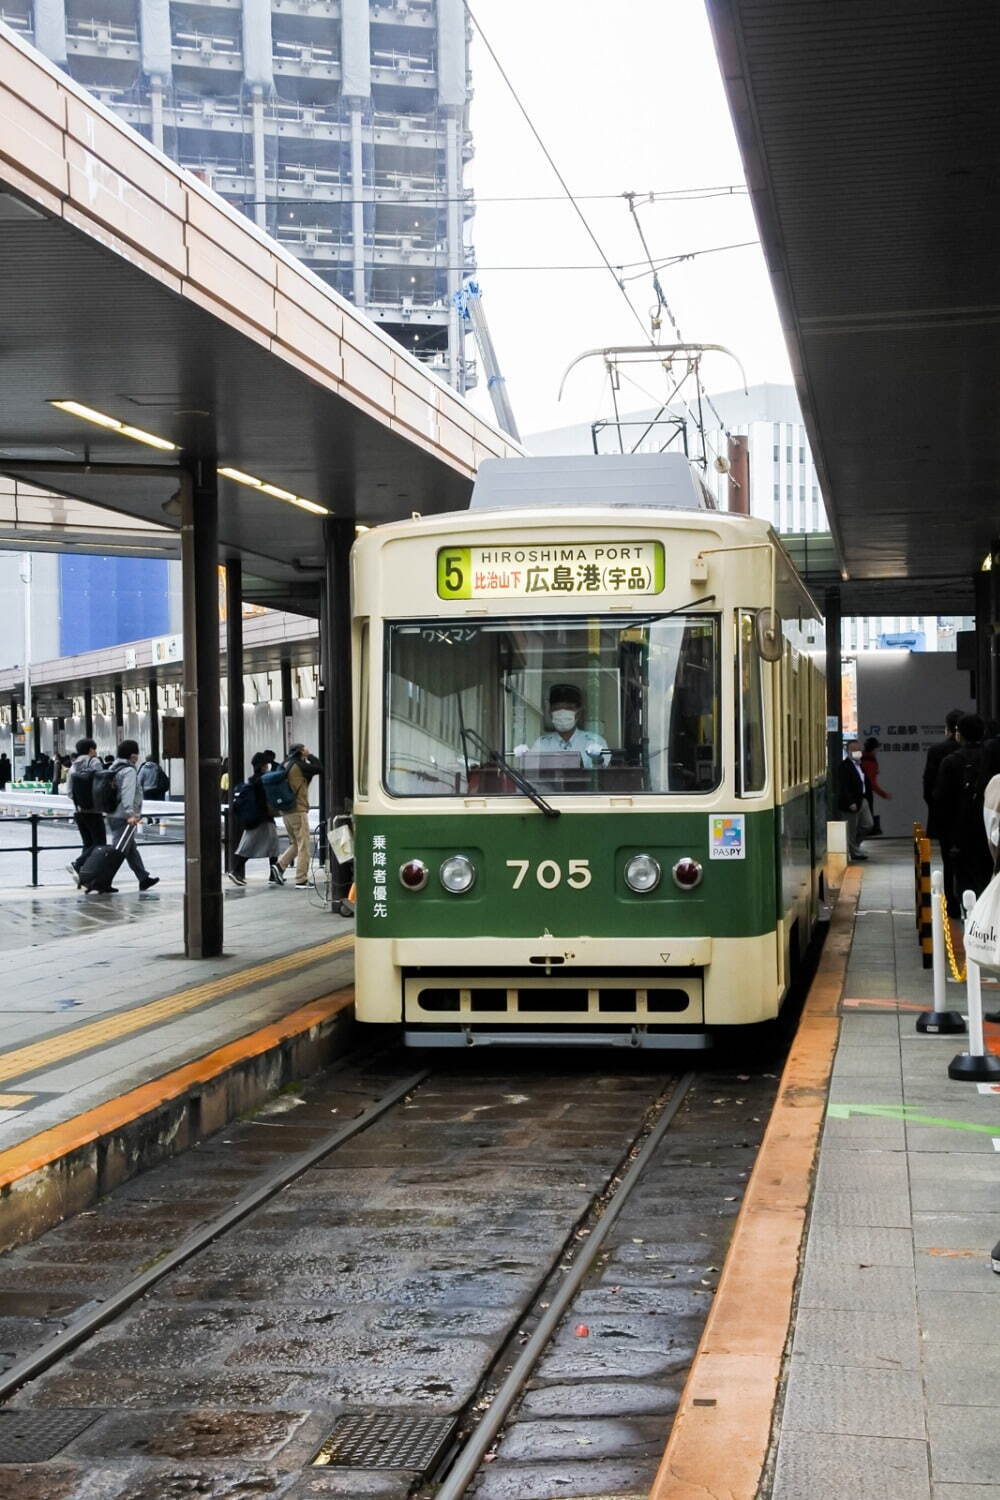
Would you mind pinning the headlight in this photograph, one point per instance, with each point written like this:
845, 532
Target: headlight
687, 873
413, 875
457, 874
642, 873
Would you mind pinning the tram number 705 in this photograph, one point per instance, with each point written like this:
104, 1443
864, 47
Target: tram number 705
549, 873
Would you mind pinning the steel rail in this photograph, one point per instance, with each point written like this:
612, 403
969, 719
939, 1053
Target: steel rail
105, 1311
466, 1465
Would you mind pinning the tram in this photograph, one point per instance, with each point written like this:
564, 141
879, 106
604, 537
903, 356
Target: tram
590, 762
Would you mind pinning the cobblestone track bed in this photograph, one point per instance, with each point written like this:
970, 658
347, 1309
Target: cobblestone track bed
391, 1276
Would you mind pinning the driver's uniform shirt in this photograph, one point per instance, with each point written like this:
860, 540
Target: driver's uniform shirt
590, 747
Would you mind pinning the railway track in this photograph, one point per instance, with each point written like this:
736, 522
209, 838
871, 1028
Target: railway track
421, 1271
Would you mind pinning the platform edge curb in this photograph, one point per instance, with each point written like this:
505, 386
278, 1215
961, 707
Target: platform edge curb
722, 1431
68, 1167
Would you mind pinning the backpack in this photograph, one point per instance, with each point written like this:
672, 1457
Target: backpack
971, 802
161, 786
277, 789
246, 806
105, 791
81, 790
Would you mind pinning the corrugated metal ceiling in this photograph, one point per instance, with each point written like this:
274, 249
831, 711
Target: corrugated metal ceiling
870, 134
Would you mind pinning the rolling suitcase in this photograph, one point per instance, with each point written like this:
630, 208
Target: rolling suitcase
98, 871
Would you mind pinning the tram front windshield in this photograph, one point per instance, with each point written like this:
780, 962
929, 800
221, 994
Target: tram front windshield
576, 705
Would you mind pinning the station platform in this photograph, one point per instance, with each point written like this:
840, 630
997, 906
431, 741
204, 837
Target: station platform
853, 1347
116, 1051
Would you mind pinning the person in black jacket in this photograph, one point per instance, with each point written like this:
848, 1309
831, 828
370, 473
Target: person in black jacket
935, 758
932, 766
958, 803
851, 788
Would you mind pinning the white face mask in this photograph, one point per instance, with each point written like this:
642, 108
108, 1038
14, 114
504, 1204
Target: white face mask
855, 754
564, 719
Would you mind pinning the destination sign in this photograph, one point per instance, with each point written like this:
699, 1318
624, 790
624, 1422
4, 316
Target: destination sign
541, 569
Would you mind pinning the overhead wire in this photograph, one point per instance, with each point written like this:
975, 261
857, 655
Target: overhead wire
432, 200
630, 199
676, 260
551, 161
661, 302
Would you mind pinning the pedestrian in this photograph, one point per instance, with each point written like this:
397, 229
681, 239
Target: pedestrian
301, 766
5, 770
80, 786
958, 801
259, 839
128, 810
935, 756
851, 788
153, 779
932, 766
869, 764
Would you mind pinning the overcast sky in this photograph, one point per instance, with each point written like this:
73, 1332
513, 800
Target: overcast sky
626, 95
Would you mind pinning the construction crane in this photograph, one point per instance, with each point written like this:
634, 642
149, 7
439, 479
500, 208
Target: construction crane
469, 303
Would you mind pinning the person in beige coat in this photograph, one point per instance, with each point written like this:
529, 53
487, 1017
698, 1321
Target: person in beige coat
302, 767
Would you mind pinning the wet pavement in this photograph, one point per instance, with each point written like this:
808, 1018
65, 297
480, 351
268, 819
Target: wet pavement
80, 1017
32, 917
390, 1278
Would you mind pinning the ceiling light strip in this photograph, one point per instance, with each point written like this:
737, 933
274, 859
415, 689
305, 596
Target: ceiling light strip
240, 476
140, 435
112, 424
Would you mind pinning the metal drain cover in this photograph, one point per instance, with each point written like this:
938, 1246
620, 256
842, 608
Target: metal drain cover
386, 1440
31, 1437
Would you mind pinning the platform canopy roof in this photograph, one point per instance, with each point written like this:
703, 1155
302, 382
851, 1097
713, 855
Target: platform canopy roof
128, 286
869, 133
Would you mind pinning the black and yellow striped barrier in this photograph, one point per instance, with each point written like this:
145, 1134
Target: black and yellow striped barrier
922, 892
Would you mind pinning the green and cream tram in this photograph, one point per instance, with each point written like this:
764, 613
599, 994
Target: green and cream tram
590, 799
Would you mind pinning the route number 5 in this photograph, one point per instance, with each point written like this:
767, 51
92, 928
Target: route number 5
549, 873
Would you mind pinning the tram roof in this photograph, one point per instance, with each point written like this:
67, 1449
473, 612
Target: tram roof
868, 134
128, 286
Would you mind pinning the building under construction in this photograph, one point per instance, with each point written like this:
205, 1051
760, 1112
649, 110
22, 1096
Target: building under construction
339, 126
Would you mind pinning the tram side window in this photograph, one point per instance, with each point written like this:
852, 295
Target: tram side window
364, 709
752, 759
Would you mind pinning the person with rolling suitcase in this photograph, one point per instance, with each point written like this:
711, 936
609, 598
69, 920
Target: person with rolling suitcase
118, 794
81, 791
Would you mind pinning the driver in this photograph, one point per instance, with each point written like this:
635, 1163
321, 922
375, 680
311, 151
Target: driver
565, 714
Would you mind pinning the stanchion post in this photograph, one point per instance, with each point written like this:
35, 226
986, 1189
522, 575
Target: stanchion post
34, 820
977, 1065
939, 1022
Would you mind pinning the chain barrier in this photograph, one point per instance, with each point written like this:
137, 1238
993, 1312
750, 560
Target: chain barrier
956, 973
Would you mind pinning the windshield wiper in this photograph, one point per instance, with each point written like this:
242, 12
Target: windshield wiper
521, 782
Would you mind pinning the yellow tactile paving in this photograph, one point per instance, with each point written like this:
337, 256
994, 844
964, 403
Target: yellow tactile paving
12, 1101
22, 1061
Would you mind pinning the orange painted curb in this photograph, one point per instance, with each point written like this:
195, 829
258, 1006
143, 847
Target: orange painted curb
720, 1437
51, 1145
